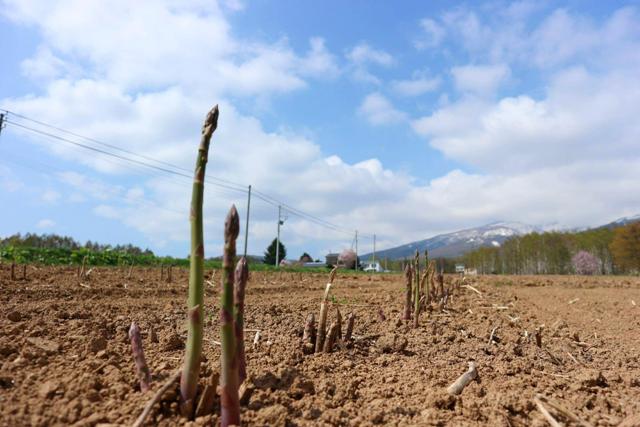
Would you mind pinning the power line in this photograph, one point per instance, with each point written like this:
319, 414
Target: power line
166, 167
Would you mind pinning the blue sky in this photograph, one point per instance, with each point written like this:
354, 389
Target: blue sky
405, 120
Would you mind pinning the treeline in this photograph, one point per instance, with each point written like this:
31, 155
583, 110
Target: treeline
595, 251
52, 249
54, 241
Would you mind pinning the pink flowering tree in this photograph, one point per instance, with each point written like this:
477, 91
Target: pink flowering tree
585, 263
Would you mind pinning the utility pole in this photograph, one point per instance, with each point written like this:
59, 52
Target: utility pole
374, 248
280, 222
246, 228
356, 250
1, 122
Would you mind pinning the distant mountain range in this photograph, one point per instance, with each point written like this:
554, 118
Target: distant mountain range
458, 243
621, 221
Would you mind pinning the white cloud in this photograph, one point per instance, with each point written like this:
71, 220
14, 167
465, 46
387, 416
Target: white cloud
162, 43
416, 86
433, 34
378, 110
582, 117
146, 87
480, 79
319, 62
362, 55
46, 223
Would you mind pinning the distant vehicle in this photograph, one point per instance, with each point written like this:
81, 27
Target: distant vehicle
373, 267
460, 268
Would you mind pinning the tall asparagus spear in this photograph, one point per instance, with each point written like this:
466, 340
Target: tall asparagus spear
191, 369
416, 296
229, 379
407, 304
242, 276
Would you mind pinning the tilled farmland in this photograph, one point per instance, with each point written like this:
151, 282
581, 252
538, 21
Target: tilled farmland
559, 347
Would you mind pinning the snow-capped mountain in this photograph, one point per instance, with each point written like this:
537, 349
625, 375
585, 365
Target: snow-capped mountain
622, 221
459, 242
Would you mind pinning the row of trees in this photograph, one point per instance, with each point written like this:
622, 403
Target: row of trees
596, 251
54, 241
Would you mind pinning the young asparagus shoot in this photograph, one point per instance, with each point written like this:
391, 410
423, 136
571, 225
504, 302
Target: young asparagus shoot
416, 296
309, 335
138, 356
229, 378
191, 369
241, 278
408, 281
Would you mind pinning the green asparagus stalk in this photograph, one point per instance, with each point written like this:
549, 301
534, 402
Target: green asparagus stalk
416, 296
241, 278
425, 284
229, 379
408, 280
142, 369
191, 369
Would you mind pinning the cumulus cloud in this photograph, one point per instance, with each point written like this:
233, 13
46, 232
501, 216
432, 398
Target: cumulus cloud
378, 110
433, 34
416, 86
568, 148
479, 79
361, 56
565, 151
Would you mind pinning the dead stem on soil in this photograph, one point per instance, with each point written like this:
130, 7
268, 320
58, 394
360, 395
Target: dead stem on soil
463, 380
473, 289
156, 398
539, 399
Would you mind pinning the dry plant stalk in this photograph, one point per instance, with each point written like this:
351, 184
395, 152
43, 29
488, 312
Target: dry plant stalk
144, 376
169, 275
332, 336
440, 285
13, 271
208, 396
322, 323
350, 321
464, 379
130, 270
309, 335
538, 336
339, 322
407, 302
84, 264
156, 398
546, 413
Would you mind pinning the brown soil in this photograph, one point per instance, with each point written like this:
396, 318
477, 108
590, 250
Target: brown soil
65, 358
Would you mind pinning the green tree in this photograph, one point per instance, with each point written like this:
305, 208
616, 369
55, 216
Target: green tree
270, 253
306, 257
